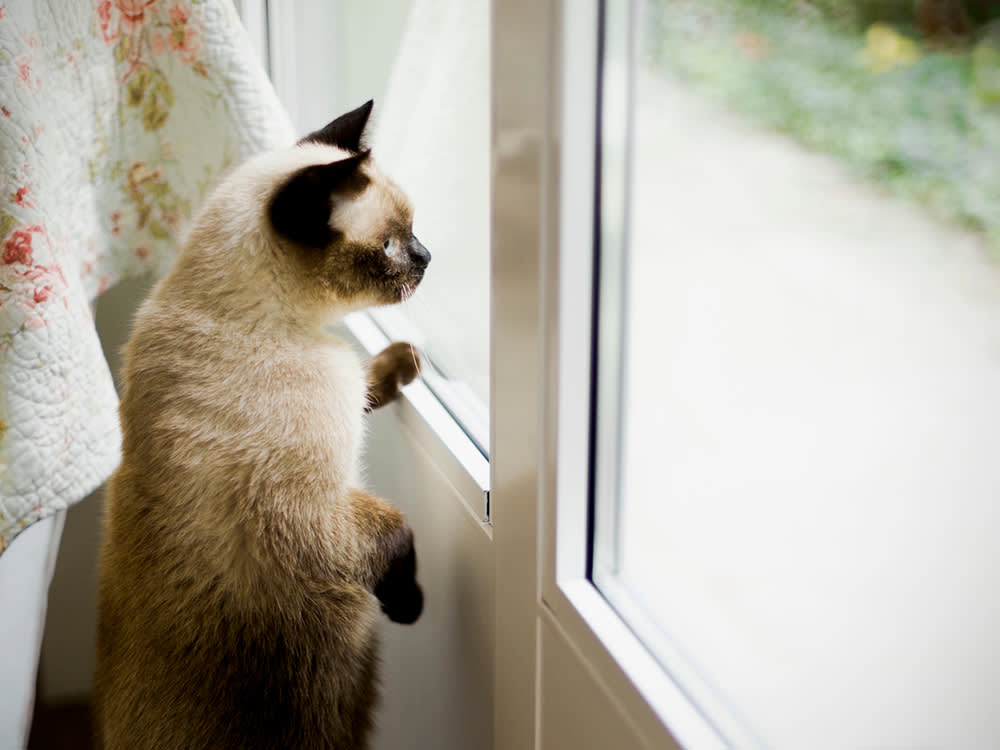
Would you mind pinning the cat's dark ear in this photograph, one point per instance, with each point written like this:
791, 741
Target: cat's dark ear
300, 209
346, 132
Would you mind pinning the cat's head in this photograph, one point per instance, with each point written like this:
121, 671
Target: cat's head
347, 224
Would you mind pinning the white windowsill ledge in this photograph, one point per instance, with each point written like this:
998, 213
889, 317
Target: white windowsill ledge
436, 430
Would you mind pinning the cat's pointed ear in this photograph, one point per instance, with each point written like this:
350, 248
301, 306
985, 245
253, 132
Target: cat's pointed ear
346, 132
300, 209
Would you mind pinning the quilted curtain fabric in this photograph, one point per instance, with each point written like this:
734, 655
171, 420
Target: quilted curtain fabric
116, 118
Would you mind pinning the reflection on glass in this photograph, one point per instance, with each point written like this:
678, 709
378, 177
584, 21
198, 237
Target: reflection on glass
809, 484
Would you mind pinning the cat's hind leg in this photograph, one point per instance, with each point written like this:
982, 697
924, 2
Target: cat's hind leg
384, 560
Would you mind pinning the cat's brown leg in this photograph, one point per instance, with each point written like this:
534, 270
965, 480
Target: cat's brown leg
397, 590
393, 367
385, 559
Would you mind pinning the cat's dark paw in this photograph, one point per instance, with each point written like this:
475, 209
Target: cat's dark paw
407, 605
398, 591
392, 368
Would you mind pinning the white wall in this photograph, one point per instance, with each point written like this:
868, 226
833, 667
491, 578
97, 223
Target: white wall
437, 674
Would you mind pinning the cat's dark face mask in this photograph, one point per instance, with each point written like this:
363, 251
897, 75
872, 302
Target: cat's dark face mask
350, 225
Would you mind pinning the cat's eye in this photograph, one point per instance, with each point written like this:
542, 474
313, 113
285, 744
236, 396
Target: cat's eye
388, 246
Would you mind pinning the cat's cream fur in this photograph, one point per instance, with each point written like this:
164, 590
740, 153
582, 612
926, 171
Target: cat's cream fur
243, 567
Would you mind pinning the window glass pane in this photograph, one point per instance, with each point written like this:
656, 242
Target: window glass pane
425, 62
802, 524
434, 139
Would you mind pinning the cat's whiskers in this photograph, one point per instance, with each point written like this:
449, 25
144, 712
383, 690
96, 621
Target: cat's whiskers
406, 308
416, 362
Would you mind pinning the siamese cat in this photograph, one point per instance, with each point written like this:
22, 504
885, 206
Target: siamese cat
243, 566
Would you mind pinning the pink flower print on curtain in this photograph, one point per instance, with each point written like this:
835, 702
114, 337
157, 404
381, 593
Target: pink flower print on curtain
17, 248
29, 286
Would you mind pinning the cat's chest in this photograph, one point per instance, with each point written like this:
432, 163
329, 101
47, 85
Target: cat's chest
337, 412
304, 404
344, 380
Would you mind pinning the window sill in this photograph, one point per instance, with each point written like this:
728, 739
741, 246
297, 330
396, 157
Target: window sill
434, 428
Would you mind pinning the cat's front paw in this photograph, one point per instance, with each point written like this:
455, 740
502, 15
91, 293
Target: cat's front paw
392, 368
398, 591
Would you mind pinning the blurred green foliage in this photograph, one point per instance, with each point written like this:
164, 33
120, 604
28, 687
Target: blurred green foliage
926, 124
859, 14
847, 14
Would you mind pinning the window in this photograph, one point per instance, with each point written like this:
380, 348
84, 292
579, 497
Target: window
799, 313
426, 64
433, 138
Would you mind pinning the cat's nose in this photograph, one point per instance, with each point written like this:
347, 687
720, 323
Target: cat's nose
419, 254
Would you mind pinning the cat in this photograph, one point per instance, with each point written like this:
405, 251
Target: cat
243, 567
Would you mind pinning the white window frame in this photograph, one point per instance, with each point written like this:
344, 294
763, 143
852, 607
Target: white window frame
652, 699
555, 511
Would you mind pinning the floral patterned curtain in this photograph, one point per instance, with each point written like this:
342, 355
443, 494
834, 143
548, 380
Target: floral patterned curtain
116, 118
